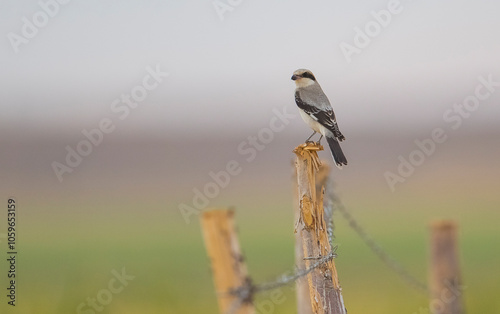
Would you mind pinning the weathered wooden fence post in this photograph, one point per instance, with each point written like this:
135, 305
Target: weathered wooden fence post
324, 289
301, 285
228, 267
445, 280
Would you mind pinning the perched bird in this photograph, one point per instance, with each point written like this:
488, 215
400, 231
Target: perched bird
316, 111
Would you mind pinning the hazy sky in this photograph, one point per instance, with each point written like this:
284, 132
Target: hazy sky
231, 72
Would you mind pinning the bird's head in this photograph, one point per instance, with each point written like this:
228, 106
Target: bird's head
303, 78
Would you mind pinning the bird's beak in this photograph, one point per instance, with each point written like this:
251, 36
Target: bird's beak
295, 77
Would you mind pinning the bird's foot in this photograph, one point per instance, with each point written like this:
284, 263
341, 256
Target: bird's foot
318, 143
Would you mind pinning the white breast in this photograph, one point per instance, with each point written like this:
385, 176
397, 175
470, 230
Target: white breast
310, 121
313, 124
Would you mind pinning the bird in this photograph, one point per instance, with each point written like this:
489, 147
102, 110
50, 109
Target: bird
317, 112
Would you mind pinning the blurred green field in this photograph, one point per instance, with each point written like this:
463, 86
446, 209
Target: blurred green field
66, 254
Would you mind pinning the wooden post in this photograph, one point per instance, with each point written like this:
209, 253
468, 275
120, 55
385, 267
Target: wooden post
446, 291
324, 289
301, 285
228, 267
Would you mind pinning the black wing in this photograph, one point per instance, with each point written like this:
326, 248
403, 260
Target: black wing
324, 117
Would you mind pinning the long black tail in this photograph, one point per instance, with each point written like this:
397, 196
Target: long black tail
338, 155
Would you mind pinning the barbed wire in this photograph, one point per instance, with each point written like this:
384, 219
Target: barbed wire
246, 292
285, 280
331, 203
370, 242
329, 208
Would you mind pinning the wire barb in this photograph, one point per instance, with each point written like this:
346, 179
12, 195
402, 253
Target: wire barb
247, 291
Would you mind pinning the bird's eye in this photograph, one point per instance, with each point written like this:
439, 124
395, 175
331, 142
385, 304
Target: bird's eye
310, 76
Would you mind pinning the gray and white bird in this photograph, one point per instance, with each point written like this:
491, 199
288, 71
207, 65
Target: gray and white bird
316, 111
